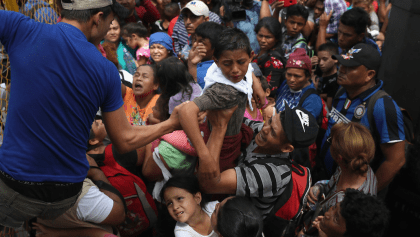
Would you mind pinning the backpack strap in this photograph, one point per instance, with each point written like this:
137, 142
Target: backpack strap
301, 40
148, 210
108, 187
305, 95
371, 105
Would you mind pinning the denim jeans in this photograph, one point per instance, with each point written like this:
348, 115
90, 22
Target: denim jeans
15, 208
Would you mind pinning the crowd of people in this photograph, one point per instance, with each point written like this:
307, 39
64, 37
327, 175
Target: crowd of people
198, 118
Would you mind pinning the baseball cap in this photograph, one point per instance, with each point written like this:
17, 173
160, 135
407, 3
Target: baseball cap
85, 4
299, 125
198, 8
360, 54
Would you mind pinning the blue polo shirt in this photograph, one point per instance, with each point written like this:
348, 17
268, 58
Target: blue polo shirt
202, 71
387, 115
59, 82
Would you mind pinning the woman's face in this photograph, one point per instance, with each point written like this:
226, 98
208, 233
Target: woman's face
143, 82
113, 34
158, 52
296, 79
266, 39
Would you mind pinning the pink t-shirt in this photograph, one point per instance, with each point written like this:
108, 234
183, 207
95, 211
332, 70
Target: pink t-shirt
143, 52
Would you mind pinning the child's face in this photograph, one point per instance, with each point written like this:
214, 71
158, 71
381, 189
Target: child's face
129, 41
207, 44
143, 81
154, 117
234, 64
294, 25
99, 130
182, 205
326, 63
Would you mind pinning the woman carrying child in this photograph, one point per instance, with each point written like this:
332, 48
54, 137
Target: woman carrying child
271, 58
352, 148
136, 37
171, 154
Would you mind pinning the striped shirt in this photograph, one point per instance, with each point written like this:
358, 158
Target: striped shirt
180, 34
368, 187
264, 183
389, 121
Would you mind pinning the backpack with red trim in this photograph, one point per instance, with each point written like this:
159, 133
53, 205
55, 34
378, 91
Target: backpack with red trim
141, 209
286, 214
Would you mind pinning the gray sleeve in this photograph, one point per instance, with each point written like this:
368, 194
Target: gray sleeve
256, 180
218, 96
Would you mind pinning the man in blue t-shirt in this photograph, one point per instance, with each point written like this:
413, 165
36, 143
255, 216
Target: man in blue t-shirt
60, 80
357, 75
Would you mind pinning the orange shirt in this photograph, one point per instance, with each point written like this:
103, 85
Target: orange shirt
135, 115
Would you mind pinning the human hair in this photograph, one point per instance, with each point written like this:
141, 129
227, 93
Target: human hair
111, 52
134, 28
238, 217
330, 47
264, 83
365, 215
84, 16
355, 144
173, 78
297, 10
188, 183
367, 2
231, 39
209, 30
272, 25
171, 10
357, 18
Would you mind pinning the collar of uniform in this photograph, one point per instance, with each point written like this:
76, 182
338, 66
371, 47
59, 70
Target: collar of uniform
367, 93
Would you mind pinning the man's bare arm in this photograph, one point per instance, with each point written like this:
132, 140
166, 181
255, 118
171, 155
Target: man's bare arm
394, 159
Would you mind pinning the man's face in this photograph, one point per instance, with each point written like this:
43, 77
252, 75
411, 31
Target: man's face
296, 79
347, 36
333, 224
352, 77
103, 26
326, 63
234, 64
318, 9
113, 34
294, 25
129, 4
191, 21
271, 137
207, 44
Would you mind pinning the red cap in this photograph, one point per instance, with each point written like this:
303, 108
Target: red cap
299, 59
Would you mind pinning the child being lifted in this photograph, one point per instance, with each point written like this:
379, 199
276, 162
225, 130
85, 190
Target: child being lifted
229, 82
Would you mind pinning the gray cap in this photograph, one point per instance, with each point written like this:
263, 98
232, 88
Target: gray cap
85, 4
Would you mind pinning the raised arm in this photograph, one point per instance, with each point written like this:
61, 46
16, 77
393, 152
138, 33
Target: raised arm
265, 9
225, 182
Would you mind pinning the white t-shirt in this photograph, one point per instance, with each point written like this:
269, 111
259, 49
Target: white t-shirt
184, 230
95, 206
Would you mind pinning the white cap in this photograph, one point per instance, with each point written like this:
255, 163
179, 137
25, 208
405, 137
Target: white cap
198, 8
